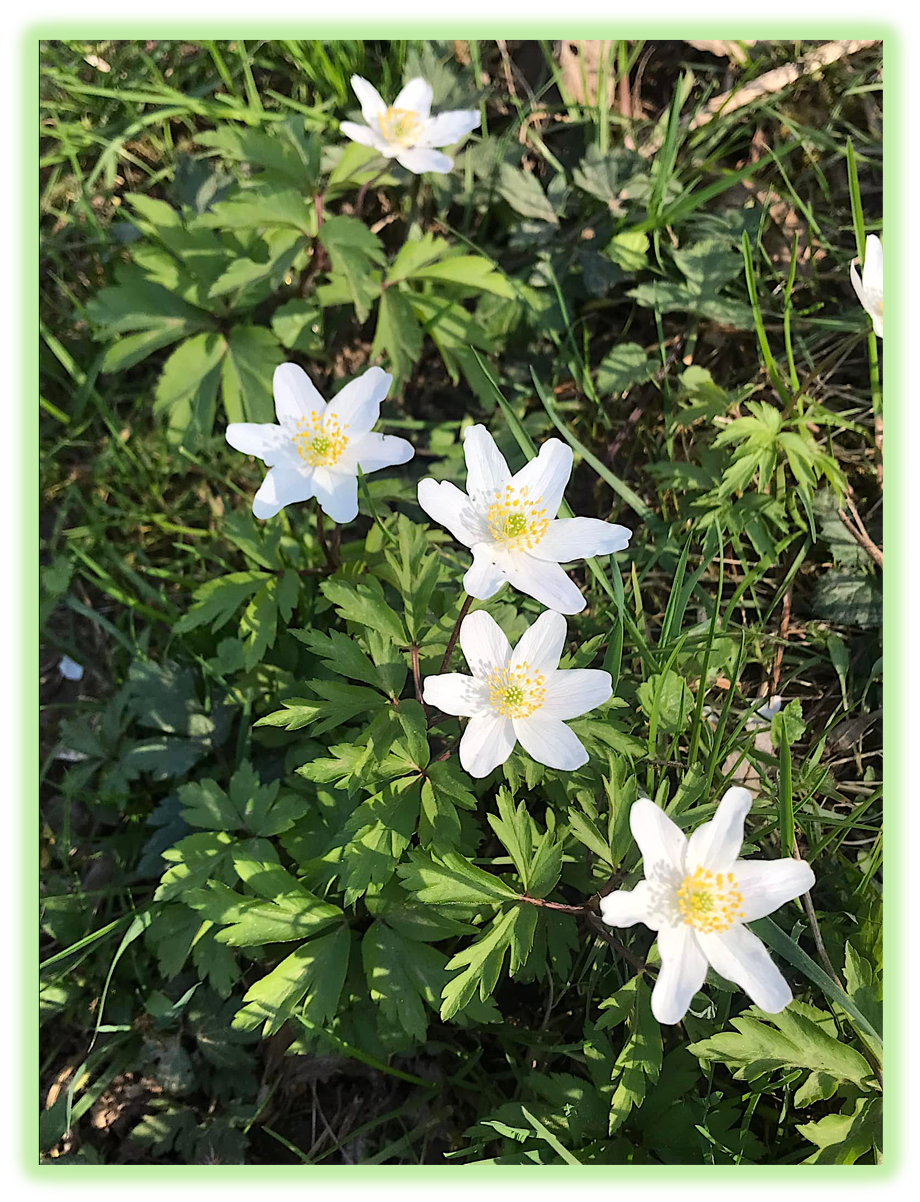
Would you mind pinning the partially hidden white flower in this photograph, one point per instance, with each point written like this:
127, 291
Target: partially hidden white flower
510, 524
517, 696
698, 896
766, 712
869, 288
70, 669
316, 449
406, 131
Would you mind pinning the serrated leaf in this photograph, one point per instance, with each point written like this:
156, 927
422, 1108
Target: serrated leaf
253, 354
249, 806
354, 251
314, 975
523, 192
447, 878
194, 860
398, 334
298, 325
251, 922
363, 601
216, 601
187, 388
623, 366
793, 1041
402, 974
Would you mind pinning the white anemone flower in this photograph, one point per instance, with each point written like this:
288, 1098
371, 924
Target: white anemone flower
517, 696
406, 131
869, 288
510, 524
698, 896
316, 449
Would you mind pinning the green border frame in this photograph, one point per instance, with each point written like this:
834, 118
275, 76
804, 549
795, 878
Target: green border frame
894, 684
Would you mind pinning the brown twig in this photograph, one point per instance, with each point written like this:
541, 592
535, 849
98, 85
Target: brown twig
455, 633
548, 905
858, 531
599, 928
783, 635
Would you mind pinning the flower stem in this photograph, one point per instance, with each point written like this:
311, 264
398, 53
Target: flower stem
362, 191
454, 633
875, 386
321, 536
417, 678
548, 905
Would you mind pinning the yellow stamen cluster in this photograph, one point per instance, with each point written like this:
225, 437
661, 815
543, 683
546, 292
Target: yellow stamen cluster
320, 442
516, 520
401, 126
710, 901
516, 692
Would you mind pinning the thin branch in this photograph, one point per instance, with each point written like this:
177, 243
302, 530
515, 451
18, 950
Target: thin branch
858, 531
321, 536
455, 633
548, 905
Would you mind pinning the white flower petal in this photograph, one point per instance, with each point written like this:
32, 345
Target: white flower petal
357, 405
857, 283
70, 669
765, 885
626, 907
550, 742
683, 971
546, 475
295, 394
542, 643
545, 581
415, 97
484, 643
372, 452
337, 493
574, 691
448, 128
452, 509
660, 840
361, 133
488, 573
580, 538
738, 955
486, 470
369, 98
281, 486
716, 844
257, 438
872, 268
487, 742
457, 694
421, 159
877, 324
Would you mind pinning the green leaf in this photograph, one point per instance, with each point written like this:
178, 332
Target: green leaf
187, 389
415, 254
789, 719
380, 831
342, 655
363, 601
623, 366
336, 704
605, 175
261, 209
139, 303
314, 975
639, 1063
354, 251
259, 623
216, 601
195, 860
398, 334
447, 878
667, 698
249, 806
523, 192
402, 974
444, 790
251, 922
481, 962
708, 264
298, 325
794, 1040
844, 1138
253, 354
412, 918
473, 271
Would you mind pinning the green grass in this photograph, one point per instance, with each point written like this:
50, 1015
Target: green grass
727, 280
